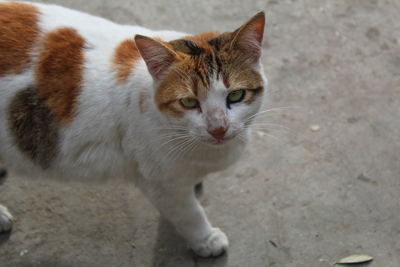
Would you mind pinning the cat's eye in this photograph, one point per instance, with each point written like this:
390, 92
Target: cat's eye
189, 103
236, 96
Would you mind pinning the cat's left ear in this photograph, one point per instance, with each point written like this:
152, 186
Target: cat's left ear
248, 38
157, 56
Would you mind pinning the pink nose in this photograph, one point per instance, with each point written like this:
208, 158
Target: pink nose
218, 133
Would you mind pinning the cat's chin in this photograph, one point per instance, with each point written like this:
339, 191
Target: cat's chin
220, 142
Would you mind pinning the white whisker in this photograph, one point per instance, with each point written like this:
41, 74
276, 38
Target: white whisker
174, 139
268, 110
268, 124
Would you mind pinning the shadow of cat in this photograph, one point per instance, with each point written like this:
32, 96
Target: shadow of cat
3, 175
4, 237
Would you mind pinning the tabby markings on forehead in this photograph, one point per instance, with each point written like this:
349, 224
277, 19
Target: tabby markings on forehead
187, 46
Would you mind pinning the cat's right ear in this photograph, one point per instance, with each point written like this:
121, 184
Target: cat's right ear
157, 56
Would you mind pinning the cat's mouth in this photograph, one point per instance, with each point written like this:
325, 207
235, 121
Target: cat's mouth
220, 141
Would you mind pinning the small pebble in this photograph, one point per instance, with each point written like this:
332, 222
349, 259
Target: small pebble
23, 252
315, 128
260, 133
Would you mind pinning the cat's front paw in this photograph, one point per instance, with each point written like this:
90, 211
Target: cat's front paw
6, 219
214, 245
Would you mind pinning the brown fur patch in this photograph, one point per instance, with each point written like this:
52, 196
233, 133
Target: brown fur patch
59, 72
32, 125
18, 32
125, 57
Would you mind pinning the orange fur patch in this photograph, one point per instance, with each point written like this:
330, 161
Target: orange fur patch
125, 57
18, 32
59, 72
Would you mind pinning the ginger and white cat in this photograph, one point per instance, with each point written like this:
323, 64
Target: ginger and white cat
83, 98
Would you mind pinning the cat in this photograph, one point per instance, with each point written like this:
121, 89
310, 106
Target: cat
84, 98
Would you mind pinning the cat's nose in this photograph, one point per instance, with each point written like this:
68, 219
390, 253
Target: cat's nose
217, 123
218, 133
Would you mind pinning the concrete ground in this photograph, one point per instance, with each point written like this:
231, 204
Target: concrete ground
302, 198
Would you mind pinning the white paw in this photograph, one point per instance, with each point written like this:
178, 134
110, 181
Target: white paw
215, 244
6, 219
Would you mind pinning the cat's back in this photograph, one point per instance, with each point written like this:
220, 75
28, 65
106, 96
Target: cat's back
60, 69
45, 52
57, 52
43, 18
34, 38
31, 32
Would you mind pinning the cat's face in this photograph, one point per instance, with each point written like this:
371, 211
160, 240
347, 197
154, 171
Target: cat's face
208, 85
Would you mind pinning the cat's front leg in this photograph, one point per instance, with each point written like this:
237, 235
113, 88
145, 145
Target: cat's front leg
181, 208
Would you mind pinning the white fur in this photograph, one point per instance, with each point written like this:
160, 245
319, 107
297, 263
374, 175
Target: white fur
110, 137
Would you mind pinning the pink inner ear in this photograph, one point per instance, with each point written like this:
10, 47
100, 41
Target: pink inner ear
259, 29
157, 57
250, 36
157, 61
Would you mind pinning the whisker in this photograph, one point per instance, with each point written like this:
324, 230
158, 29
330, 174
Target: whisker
269, 110
173, 129
172, 135
177, 147
194, 147
181, 148
269, 124
269, 128
274, 137
271, 136
174, 139
185, 149
242, 138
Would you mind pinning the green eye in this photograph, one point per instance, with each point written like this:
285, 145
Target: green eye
189, 102
236, 96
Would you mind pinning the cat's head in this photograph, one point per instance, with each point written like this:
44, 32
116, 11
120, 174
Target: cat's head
208, 85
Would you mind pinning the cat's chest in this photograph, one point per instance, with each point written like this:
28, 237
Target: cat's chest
202, 162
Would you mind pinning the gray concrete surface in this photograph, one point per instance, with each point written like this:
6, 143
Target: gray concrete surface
303, 199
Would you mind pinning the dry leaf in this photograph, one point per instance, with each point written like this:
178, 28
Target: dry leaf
355, 259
